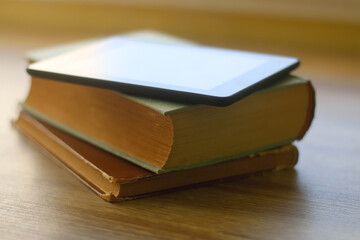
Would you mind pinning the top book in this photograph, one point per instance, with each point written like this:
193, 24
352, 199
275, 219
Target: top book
165, 136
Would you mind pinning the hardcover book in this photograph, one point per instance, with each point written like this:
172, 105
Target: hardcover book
115, 179
164, 136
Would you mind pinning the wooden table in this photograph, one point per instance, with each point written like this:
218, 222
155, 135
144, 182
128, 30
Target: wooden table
319, 199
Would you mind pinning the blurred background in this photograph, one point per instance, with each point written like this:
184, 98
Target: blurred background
311, 30
331, 26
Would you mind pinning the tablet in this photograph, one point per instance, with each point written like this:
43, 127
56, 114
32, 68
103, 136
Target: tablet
192, 74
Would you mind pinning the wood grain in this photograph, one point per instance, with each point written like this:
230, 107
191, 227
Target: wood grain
320, 199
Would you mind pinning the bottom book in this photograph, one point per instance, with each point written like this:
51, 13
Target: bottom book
114, 179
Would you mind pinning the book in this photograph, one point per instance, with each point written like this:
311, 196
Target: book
165, 136
115, 179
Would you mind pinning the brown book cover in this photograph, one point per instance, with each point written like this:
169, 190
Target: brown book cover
115, 179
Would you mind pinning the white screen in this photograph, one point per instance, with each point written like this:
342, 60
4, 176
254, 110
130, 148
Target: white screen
166, 64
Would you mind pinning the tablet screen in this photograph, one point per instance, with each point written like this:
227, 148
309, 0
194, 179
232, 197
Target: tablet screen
164, 64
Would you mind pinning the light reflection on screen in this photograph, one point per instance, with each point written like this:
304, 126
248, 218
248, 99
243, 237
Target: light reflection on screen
166, 64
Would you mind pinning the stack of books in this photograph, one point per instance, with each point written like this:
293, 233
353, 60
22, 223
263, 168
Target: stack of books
125, 147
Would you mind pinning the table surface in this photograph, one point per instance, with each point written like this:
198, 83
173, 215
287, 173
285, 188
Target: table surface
319, 199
